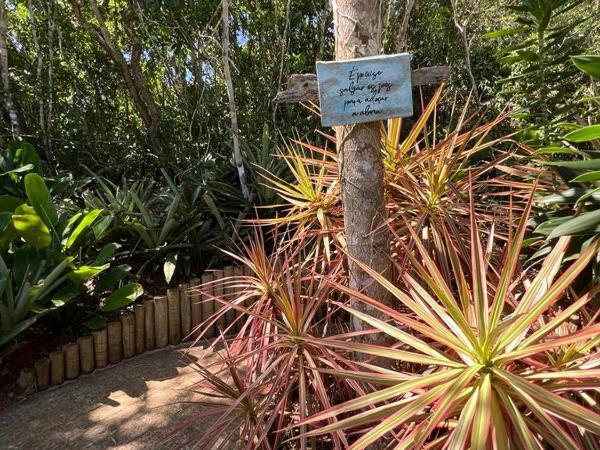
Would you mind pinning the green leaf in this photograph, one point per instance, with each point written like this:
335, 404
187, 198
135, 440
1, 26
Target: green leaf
122, 297
65, 295
582, 164
25, 168
111, 278
102, 226
559, 150
95, 323
586, 223
502, 33
589, 64
85, 223
169, 266
584, 134
39, 197
106, 253
81, 274
32, 229
587, 177
8, 203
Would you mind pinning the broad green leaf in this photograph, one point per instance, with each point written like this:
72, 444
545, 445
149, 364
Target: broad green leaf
82, 274
65, 295
111, 278
101, 226
85, 223
586, 223
8, 203
585, 134
106, 253
32, 229
95, 323
39, 197
589, 64
122, 297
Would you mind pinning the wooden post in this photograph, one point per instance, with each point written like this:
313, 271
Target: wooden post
139, 312
128, 330
161, 321
71, 352
86, 353
228, 292
195, 305
42, 373
26, 381
57, 367
115, 342
218, 293
238, 272
149, 342
174, 316
208, 304
100, 347
185, 310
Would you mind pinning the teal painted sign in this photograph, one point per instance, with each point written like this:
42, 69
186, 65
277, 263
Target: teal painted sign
365, 89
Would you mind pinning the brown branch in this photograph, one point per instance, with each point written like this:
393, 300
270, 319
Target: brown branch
303, 87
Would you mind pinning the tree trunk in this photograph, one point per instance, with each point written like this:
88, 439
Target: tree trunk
237, 154
8, 100
132, 73
357, 25
402, 39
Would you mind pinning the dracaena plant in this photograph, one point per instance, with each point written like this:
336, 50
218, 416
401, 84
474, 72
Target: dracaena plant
272, 359
481, 376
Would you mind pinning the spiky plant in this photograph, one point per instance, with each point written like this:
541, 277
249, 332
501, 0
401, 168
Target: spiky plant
283, 305
482, 376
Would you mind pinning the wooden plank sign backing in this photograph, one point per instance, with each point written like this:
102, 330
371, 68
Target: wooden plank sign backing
365, 89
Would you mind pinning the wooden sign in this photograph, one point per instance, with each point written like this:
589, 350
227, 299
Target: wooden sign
365, 89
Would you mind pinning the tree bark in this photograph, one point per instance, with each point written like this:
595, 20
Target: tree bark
8, 99
237, 154
357, 25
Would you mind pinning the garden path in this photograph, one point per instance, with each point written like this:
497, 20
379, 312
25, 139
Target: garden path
131, 405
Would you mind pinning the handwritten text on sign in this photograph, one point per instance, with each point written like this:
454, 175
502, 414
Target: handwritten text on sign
365, 89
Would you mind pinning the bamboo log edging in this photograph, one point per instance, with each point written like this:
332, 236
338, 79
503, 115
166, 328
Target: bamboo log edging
238, 271
115, 342
128, 330
57, 367
228, 291
100, 348
42, 373
149, 341
139, 312
161, 321
156, 323
208, 304
195, 306
185, 310
71, 352
218, 292
86, 353
174, 316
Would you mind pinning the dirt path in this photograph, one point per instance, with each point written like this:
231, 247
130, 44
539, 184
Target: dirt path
131, 405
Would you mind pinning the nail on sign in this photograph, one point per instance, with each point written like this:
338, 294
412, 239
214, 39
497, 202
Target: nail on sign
365, 89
